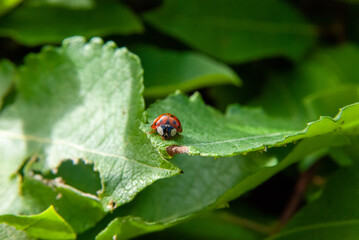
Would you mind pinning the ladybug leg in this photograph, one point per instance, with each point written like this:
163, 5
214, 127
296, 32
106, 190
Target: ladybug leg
153, 130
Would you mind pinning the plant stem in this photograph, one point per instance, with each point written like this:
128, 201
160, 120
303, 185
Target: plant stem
297, 195
244, 222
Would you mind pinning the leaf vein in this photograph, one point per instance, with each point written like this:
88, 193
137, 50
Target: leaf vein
12, 135
243, 138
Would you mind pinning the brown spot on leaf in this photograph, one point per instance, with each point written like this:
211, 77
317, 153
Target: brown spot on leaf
111, 204
175, 149
59, 180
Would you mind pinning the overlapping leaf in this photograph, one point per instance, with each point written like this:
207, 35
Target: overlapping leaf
209, 133
82, 101
236, 31
47, 225
206, 184
81, 210
127, 228
167, 71
198, 189
212, 226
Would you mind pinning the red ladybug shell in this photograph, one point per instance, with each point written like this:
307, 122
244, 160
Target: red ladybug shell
167, 118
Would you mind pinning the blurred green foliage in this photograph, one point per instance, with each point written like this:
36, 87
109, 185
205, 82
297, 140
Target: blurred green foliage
267, 93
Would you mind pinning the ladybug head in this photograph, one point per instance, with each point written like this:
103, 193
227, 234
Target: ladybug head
166, 131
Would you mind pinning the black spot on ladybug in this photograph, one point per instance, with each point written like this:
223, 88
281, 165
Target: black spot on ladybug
168, 121
160, 121
174, 122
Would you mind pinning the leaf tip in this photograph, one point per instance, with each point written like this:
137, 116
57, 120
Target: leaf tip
74, 39
111, 45
96, 40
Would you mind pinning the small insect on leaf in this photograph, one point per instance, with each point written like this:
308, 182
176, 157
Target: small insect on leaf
167, 125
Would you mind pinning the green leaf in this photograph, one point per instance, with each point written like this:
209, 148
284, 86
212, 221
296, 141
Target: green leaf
330, 67
327, 102
167, 71
83, 101
325, 73
7, 71
78, 4
346, 155
331, 80
209, 226
244, 115
127, 228
236, 31
169, 202
81, 210
341, 157
333, 216
47, 225
11, 233
7, 5
209, 133
213, 226
34, 25
206, 184
287, 102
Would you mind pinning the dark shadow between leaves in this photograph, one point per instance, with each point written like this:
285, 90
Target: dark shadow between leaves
80, 175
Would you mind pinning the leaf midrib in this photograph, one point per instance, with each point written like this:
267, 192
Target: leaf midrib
245, 138
30, 138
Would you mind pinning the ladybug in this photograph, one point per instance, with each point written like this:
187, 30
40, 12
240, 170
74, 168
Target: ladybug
167, 125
